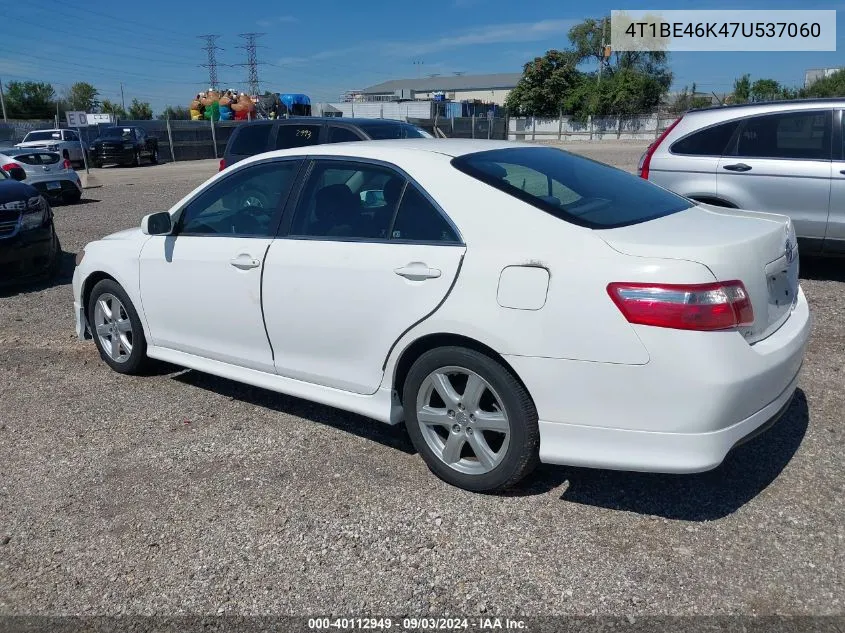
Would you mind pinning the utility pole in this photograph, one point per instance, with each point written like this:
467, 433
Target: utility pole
2, 101
603, 49
419, 64
122, 100
211, 49
251, 61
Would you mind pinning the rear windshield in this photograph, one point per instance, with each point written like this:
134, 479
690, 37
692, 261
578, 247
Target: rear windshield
34, 158
252, 139
384, 131
572, 188
43, 136
117, 132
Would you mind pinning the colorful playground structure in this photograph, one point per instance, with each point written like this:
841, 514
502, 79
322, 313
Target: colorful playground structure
228, 105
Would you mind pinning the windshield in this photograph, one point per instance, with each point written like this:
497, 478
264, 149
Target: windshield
384, 131
117, 132
43, 136
570, 187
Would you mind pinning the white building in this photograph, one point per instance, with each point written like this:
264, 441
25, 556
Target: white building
487, 88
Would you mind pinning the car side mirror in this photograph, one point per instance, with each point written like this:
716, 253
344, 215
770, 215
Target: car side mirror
157, 224
17, 173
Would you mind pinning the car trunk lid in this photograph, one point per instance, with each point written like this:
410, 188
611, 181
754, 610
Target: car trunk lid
758, 249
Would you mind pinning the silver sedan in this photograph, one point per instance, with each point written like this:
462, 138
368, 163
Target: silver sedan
48, 172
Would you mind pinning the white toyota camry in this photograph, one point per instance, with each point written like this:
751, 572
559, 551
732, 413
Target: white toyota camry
511, 303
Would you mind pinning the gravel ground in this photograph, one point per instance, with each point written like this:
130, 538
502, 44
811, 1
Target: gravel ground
186, 493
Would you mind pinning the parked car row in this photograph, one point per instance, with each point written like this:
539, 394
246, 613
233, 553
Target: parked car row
121, 145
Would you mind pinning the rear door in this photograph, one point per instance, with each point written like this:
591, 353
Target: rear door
835, 238
248, 140
781, 163
364, 256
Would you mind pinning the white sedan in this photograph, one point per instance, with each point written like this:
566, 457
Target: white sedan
511, 303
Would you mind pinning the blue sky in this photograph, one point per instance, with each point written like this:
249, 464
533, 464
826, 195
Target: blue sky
324, 47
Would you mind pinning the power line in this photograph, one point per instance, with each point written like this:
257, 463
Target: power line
251, 60
211, 48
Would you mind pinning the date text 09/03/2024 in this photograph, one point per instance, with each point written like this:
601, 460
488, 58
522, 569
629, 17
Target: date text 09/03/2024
416, 624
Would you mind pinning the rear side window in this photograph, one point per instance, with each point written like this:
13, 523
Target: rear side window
251, 139
386, 131
27, 159
342, 135
418, 220
297, 136
711, 141
572, 188
796, 135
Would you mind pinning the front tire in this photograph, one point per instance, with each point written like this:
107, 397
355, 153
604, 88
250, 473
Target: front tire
137, 161
154, 157
116, 328
471, 420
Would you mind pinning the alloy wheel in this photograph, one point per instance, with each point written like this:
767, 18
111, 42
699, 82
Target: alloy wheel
113, 327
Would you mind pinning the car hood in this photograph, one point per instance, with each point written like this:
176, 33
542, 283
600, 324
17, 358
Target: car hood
54, 141
13, 190
126, 234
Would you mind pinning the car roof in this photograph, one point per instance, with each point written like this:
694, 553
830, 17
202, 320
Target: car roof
449, 147
780, 104
326, 119
50, 130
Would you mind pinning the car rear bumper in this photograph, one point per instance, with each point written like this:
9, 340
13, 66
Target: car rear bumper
68, 186
26, 255
681, 412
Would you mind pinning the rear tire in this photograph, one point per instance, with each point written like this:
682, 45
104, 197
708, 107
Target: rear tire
116, 328
482, 433
154, 157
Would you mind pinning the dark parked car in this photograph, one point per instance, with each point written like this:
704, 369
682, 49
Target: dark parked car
125, 145
29, 246
250, 139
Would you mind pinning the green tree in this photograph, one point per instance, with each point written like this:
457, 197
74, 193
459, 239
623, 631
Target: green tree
742, 89
109, 107
82, 97
176, 114
687, 99
831, 86
140, 110
545, 82
30, 100
765, 90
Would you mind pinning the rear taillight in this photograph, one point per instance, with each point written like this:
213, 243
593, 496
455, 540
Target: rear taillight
706, 307
222, 164
645, 160
10, 166
66, 164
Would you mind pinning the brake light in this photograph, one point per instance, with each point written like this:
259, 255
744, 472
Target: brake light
66, 164
222, 164
10, 166
704, 307
645, 160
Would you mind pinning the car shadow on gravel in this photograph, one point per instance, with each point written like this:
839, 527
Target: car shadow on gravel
745, 473
63, 278
823, 268
394, 437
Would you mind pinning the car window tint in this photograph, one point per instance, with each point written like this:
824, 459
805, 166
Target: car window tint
342, 135
246, 203
795, 135
419, 220
251, 139
49, 159
570, 187
297, 136
27, 159
71, 136
711, 141
348, 200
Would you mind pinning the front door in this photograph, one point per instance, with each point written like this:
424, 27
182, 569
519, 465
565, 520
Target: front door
781, 164
201, 286
366, 256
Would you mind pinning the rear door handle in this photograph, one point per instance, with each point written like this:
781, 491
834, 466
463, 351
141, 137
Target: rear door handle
417, 271
738, 167
244, 262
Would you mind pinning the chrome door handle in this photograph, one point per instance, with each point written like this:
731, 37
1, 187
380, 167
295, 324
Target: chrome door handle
244, 262
417, 271
737, 167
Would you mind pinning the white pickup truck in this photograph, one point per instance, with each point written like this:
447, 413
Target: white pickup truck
65, 142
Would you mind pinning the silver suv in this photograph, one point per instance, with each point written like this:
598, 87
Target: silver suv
784, 157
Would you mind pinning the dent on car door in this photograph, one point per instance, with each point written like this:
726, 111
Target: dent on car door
835, 236
781, 163
201, 286
365, 255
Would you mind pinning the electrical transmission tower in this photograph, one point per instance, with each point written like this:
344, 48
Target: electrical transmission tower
251, 60
211, 48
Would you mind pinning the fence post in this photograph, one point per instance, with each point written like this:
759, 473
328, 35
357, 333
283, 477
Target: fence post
560, 124
353, 109
213, 137
170, 140
656, 125
381, 111
489, 127
533, 128
590, 125
473, 124
619, 127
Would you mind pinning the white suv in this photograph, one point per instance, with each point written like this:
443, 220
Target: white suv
65, 142
784, 157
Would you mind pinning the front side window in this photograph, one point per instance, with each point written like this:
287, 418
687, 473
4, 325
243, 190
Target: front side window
297, 136
793, 135
345, 199
245, 204
71, 136
570, 187
711, 141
